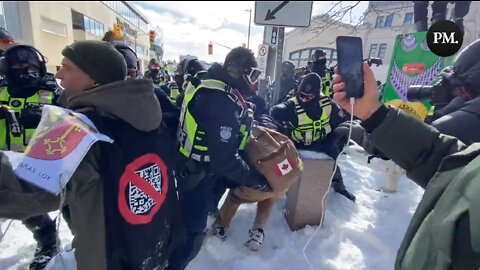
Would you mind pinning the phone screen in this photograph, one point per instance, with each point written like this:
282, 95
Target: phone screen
349, 54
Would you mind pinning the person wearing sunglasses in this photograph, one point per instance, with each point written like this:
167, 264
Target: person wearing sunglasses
26, 90
309, 119
214, 126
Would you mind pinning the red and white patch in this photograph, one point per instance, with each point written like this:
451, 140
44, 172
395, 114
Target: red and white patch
284, 167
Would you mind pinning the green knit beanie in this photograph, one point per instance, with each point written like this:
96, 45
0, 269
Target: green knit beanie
98, 59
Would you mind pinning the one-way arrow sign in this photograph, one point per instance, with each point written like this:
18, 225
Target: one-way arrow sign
271, 14
283, 13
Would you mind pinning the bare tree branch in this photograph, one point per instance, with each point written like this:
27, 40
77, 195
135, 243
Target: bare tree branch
332, 19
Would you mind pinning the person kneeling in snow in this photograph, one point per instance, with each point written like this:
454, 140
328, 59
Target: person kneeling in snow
276, 157
308, 119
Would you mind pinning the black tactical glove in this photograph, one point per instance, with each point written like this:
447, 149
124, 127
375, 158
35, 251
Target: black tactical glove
31, 116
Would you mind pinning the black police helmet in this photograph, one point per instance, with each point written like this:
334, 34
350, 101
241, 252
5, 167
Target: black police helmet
317, 54
129, 55
239, 60
288, 68
193, 66
4, 34
310, 84
179, 70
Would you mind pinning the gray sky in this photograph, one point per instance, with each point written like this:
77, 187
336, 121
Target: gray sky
189, 26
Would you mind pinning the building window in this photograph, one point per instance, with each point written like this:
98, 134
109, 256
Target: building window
373, 50
305, 55
408, 18
78, 20
301, 57
128, 14
295, 55
93, 27
380, 22
382, 50
54, 27
389, 21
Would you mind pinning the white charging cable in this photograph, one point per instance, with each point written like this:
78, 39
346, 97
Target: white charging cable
352, 103
6, 230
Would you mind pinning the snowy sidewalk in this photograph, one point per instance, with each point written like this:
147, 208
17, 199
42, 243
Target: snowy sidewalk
365, 235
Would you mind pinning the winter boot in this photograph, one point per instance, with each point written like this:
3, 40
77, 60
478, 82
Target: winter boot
256, 239
45, 233
219, 231
339, 186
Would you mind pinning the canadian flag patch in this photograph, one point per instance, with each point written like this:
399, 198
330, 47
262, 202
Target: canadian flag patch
284, 167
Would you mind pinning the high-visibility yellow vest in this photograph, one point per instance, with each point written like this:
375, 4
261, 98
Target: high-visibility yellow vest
191, 139
307, 130
15, 137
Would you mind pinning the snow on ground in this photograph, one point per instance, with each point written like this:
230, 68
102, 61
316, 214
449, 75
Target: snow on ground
365, 235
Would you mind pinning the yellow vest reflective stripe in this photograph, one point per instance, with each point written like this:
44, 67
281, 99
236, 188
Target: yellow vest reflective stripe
18, 142
326, 83
192, 140
308, 130
174, 92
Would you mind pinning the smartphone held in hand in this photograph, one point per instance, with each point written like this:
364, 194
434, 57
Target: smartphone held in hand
350, 55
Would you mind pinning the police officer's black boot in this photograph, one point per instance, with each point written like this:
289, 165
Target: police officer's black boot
45, 233
339, 186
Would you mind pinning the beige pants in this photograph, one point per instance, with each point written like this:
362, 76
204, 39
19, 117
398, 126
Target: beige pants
230, 207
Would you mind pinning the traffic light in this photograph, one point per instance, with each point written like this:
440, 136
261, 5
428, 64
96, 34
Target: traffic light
210, 48
117, 30
152, 36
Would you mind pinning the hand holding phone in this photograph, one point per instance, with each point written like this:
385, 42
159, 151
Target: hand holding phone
350, 55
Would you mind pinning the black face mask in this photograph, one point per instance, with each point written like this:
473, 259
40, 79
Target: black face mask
24, 78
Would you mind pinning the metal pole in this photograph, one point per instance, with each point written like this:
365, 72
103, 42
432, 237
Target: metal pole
278, 63
221, 45
249, 24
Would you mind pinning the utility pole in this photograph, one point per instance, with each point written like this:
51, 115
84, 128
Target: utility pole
249, 25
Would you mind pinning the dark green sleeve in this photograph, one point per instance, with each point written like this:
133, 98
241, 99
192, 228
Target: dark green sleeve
20, 200
413, 145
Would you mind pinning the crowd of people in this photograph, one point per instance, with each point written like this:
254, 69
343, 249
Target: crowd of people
191, 128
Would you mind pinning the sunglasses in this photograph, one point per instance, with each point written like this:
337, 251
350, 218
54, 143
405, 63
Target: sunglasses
306, 96
252, 75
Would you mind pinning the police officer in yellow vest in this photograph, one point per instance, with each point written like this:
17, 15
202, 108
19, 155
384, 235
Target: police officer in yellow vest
188, 73
309, 119
21, 102
214, 126
319, 66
